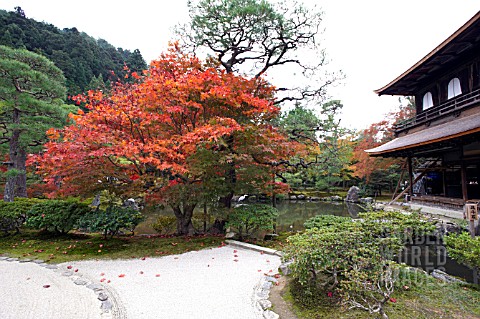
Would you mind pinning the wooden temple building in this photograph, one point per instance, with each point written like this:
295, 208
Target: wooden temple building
444, 135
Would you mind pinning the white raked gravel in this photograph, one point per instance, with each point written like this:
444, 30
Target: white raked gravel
211, 283
22, 295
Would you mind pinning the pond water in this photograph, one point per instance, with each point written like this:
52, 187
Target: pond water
291, 214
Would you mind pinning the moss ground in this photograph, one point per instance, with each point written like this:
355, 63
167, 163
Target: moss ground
57, 249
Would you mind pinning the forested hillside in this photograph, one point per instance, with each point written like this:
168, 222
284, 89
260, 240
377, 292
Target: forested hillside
86, 62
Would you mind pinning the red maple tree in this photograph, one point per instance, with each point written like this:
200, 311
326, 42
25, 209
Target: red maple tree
180, 128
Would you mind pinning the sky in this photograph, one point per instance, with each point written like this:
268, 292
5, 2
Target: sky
371, 41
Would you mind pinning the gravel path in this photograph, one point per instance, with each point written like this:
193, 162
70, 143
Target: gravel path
212, 283
28, 290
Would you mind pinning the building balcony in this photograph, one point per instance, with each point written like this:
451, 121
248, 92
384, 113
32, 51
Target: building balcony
452, 106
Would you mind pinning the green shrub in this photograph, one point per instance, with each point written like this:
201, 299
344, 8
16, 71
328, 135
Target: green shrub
463, 248
60, 216
112, 220
402, 225
321, 221
165, 225
247, 219
352, 259
13, 214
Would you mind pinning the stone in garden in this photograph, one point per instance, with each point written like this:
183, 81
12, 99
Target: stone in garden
95, 287
352, 195
106, 305
366, 200
436, 273
284, 268
336, 198
270, 315
51, 267
267, 285
80, 282
265, 304
271, 279
102, 296
263, 294
24, 260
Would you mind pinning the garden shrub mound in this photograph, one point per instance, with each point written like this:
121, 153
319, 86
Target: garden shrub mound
245, 220
14, 214
111, 221
463, 248
351, 260
58, 216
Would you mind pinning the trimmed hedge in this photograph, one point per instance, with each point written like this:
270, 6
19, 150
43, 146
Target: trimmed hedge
59, 216
14, 214
111, 221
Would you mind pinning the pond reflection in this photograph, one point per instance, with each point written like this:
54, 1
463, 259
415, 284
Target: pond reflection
291, 214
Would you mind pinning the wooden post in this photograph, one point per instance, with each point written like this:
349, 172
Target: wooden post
444, 182
463, 173
408, 188
410, 176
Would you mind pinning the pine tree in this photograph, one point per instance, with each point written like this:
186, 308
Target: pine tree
32, 92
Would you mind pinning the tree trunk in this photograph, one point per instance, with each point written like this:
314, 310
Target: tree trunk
16, 186
231, 176
184, 219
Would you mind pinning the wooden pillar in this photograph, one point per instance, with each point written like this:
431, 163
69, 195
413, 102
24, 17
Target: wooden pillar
463, 173
444, 182
410, 176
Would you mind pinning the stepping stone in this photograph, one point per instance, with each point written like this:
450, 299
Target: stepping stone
51, 267
267, 285
270, 315
38, 261
12, 259
80, 282
102, 296
24, 260
106, 305
265, 304
271, 279
67, 273
95, 287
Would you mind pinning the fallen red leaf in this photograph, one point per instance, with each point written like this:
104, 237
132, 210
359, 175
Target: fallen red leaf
121, 275
46, 286
69, 267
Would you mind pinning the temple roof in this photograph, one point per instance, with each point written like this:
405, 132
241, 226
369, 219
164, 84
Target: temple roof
463, 40
431, 136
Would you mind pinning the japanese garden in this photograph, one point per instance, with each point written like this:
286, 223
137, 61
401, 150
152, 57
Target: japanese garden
106, 157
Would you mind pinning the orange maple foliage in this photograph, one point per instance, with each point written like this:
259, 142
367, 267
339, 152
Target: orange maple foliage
377, 134
145, 134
